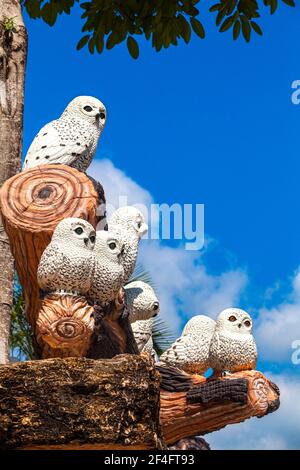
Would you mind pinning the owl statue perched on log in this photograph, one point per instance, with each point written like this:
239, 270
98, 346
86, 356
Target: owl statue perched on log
226, 345
72, 138
67, 264
233, 346
190, 352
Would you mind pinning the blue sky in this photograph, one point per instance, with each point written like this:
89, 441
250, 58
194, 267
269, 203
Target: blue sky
212, 123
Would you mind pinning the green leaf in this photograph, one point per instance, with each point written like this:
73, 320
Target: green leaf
215, 7
256, 28
274, 5
132, 47
49, 13
92, 46
184, 28
227, 24
220, 16
290, 3
236, 29
198, 28
99, 44
82, 42
246, 28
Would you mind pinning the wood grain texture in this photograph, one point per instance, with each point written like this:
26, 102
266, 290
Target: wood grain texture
79, 403
120, 403
209, 405
32, 204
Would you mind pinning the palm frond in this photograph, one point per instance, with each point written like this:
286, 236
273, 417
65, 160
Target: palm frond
140, 274
20, 341
162, 336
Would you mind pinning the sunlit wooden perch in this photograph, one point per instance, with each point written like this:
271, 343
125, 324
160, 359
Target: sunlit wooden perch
120, 403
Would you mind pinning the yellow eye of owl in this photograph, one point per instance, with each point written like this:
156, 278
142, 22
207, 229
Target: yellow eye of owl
232, 318
247, 323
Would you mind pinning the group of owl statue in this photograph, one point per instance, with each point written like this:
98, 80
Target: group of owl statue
99, 264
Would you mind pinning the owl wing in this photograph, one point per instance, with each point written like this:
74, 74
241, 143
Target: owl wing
142, 333
50, 265
49, 146
178, 352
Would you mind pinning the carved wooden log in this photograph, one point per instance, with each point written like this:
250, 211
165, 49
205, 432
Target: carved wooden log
79, 403
32, 204
64, 326
205, 405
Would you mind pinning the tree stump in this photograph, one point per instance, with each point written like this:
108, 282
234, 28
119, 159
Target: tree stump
32, 204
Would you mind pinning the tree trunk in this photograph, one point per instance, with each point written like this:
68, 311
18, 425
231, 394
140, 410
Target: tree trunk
13, 54
80, 404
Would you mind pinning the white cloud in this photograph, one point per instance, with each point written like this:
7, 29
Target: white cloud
182, 281
117, 184
279, 430
279, 326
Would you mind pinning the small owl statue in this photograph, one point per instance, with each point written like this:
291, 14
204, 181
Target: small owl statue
108, 275
233, 347
141, 301
72, 138
129, 225
190, 352
67, 264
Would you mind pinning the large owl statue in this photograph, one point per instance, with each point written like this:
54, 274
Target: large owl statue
190, 352
72, 138
129, 225
68, 262
108, 276
141, 302
232, 346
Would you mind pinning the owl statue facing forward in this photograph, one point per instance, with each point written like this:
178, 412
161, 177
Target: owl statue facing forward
129, 225
190, 352
72, 138
68, 262
108, 276
232, 346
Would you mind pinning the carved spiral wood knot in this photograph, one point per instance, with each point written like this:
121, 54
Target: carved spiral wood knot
38, 198
65, 323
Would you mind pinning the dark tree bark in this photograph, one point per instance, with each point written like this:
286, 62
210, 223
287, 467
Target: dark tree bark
13, 54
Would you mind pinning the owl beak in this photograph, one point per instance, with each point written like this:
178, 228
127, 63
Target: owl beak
239, 325
86, 241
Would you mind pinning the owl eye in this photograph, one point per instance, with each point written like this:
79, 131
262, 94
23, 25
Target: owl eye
112, 245
79, 230
88, 109
232, 318
102, 115
247, 323
92, 238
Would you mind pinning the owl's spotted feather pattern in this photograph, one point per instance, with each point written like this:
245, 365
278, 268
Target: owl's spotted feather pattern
72, 139
129, 225
233, 346
142, 330
108, 275
68, 262
190, 352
